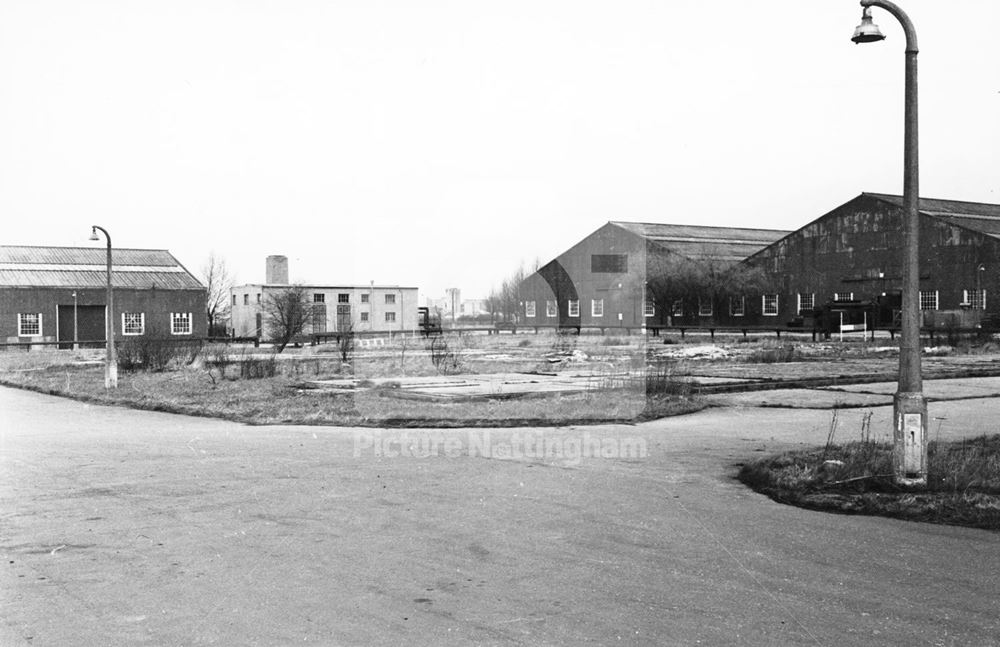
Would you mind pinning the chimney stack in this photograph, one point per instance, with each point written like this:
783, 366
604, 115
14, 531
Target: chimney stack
276, 272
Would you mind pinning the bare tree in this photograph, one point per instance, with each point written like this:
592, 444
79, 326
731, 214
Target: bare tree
287, 314
218, 282
674, 279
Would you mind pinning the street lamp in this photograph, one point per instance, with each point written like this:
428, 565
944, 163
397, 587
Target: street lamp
909, 404
111, 364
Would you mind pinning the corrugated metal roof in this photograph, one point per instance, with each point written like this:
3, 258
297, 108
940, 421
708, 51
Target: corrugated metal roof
85, 267
710, 243
976, 216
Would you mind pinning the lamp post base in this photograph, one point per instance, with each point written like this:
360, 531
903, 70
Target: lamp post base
909, 453
111, 375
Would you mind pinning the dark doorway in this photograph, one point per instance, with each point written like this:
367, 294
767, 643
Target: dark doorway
89, 326
343, 318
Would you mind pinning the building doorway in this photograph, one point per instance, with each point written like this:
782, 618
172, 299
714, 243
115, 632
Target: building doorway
90, 326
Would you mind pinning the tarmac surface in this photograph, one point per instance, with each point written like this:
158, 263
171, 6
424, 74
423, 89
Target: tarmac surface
125, 527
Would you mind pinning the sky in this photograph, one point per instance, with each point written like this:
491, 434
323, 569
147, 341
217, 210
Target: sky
443, 144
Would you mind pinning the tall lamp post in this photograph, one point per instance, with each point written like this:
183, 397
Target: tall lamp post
909, 405
111, 364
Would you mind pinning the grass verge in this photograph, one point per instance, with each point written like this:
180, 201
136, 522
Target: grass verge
856, 478
278, 400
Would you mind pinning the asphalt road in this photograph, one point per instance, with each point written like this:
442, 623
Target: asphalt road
123, 527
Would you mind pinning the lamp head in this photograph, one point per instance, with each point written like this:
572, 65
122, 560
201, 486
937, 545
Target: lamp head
93, 234
867, 31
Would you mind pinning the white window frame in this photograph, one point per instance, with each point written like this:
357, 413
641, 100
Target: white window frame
364, 297
21, 322
704, 311
649, 307
181, 317
573, 308
529, 308
763, 305
390, 299
967, 298
837, 295
927, 296
390, 316
738, 312
597, 307
364, 317
142, 324
812, 301
551, 308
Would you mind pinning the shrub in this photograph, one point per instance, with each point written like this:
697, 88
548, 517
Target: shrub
253, 367
775, 355
153, 352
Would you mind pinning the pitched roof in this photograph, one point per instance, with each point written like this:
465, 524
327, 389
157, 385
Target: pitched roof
86, 267
977, 216
729, 244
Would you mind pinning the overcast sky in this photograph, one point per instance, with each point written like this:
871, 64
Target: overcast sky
441, 144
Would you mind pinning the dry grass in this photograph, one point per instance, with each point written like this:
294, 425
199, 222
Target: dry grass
963, 481
206, 389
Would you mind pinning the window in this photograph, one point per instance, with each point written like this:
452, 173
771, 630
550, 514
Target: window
574, 307
529, 308
364, 317
843, 296
390, 316
597, 307
649, 307
551, 309
246, 299
928, 300
806, 302
259, 296
180, 323
364, 297
29, 324
975, 298
133, 323
343, 297
234, 299
609, 263
677, 308
319, 297
769, 305
704, 307
737, 306
390, 299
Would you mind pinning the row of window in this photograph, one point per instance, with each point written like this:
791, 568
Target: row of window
319, 297
929, 299
29, 324
389, 317
737, 307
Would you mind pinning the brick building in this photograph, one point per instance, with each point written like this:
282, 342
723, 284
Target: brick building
602, 280
58, 294
854, 253
360, 308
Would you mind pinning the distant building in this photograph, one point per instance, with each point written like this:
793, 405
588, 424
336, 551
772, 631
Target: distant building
602, 280
854, 253
335, 308
58, 294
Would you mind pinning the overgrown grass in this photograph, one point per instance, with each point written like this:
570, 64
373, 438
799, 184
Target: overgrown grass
963, 481
280, 399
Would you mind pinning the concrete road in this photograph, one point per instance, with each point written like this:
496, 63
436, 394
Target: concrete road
124, 527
